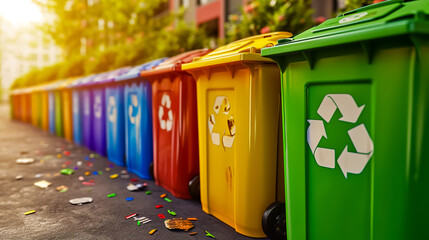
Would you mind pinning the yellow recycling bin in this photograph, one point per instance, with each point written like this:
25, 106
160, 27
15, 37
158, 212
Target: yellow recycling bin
238, 97
67, 108
45, 109
36, 106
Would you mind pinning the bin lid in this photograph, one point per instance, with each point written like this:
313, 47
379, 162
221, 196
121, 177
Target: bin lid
53, 85
80, 81
65, 83
134, 72
247, 49
174, 64
106, 77
385, 19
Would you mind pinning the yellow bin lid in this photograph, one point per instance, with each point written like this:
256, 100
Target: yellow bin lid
247, 49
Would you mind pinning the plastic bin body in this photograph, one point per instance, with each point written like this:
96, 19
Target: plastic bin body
138, 114
356, 116
77, 117
36, 109
87, 118
16, 106
25, 107
138, 119
52, 113
99, 120
175, 127
67, 113
45, 110
238, 95
115, 116
58, 114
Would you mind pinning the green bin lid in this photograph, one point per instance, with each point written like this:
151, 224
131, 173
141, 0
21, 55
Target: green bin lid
381, 20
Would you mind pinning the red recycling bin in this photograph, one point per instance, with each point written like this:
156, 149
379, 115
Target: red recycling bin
175, 126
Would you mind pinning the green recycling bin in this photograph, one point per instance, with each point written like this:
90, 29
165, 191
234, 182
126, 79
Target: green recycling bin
355, 97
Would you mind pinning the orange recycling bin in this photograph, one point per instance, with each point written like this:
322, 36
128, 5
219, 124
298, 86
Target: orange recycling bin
25, 105
16, 104
175, 134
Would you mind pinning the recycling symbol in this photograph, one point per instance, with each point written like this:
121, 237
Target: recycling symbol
133, 109
165, 123
349, 162
87, 106
97, 106
112, 110
224, 126
75, 103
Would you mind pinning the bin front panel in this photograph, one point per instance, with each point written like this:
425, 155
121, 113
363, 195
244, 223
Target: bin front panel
51, 112
138, 114
35, 109
87, 118
115, 124
16, 107
77, 117
67, 114
45, 111
99, 121
355, 160
238, 141
26, 107
175, 133
58, 114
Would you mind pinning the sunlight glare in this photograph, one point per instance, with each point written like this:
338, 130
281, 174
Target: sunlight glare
20, 12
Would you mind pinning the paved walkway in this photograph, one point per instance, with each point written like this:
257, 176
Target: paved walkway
104, 218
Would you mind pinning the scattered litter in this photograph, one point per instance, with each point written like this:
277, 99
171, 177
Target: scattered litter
80, 201
139, 218
192, 219
19, 177
193, 233
59, 156
25, 160
92, 180
125, 176
130, 216
113, 176
148, 192
178, 223
133, 180
171, 213
24, 152
79, 163
209, 234
161, 215
42, 184
111, 195
132, 187
57, 174
163, 195
89, 164
86, 158
48, 175
141, 186
67, 171
68, 163
152, 231
81, 178
91, 155
62, 188
159, 206
142, 220
107, 169
58, 149
129, 199
100, 172
88, 183
87, 173
167, 199
64, 165
75, 168
42, 161
30, 212
39, 175
124, 172
94, 173
67, 153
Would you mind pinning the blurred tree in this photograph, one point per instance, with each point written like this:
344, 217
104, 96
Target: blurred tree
262, 16
353, 4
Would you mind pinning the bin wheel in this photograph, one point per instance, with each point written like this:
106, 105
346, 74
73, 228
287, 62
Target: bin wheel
151, 170
274, 221
194, 188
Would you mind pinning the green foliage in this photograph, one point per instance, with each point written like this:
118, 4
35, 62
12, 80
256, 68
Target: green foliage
261, 16
353, 4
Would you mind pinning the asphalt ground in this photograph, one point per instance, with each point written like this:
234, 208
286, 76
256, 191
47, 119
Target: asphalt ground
104, 218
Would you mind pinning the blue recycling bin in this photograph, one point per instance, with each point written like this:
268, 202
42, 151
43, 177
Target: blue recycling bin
138, 120
115, 124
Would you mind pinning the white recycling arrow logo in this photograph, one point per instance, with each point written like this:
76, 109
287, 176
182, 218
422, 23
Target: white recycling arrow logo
97, 106
165, 124
134, 110
349, 162
75, 103
112, 110
226, 128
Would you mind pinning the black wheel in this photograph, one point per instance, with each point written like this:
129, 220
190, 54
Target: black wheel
151, 170
194, 188
274, 221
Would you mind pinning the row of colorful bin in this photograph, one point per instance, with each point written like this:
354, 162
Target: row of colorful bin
368, 181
